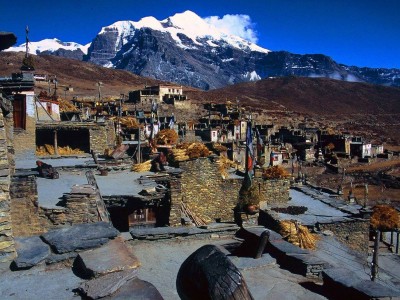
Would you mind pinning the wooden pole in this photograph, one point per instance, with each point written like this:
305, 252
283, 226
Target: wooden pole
55, 143
264, 237
374, 265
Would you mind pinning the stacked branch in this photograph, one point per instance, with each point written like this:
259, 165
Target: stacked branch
298, 235
385, 218
198, 221
224, 164
49, 150
186, 151
143, 167
275, 172
166, 137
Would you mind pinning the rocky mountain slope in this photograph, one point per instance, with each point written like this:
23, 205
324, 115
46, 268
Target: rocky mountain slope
187, 50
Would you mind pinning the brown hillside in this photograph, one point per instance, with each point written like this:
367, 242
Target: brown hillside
319, 96
82, 76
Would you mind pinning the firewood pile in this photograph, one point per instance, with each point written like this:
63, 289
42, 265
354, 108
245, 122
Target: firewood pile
166, 137
128, 122
186, 151
275, 172
143, 167
297, 234
218, 147
67, 106
385, 218
49, 150
198, 221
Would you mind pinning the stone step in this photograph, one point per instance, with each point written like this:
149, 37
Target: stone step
113, 257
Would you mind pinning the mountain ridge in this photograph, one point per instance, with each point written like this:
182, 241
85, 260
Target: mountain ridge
187, 50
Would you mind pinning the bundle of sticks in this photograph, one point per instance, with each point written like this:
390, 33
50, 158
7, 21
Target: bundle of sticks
198, 221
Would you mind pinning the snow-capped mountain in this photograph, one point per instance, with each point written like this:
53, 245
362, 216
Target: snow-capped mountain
54, 47
188, 50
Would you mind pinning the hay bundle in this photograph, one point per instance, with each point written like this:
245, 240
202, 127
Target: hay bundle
275, 172
297, 234
49, 150
385, 218
143, 167
166, 137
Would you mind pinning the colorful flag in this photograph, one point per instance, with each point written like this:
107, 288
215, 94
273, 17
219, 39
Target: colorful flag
171, 123
249, 145
259, 145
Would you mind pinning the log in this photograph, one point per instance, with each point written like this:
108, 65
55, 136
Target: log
209, 274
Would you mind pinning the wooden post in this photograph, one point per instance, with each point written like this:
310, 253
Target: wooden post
397, 242
55, 143
264, 237
374, 265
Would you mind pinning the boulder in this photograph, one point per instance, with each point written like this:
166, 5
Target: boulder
31, 251
209, 274
137, 289
112, 257
106, 285
80, 237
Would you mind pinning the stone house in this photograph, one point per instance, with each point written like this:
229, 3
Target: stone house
169, 94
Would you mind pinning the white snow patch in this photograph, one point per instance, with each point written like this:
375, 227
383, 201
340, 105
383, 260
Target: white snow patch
187, 23
49, 45
252, 76
227, 59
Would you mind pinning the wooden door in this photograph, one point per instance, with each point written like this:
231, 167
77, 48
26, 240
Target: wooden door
19, 111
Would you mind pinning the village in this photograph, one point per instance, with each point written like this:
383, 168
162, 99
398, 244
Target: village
86, 182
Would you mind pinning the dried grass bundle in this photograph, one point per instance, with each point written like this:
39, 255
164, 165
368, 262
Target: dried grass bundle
143, 167
49, 150
385, 218
298, 235
275, 172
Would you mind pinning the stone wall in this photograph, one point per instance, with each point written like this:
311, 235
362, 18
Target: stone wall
210, 197
24, 207
80, 206
25, 140
7, 247
204, 191
354, 234
102, 137
275, 191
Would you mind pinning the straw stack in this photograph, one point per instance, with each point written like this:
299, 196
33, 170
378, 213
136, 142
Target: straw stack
297, 234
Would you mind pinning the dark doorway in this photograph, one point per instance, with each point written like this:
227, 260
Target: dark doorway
73, 138
19, 111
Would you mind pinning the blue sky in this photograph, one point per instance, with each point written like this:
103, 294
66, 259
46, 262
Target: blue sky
353, 32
